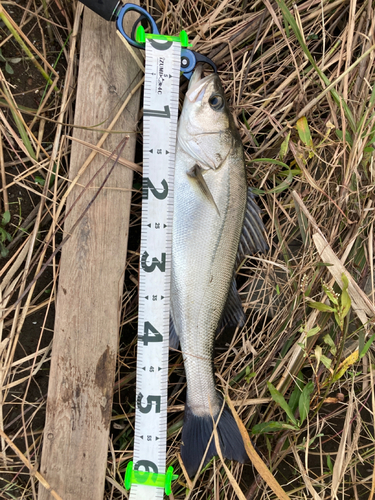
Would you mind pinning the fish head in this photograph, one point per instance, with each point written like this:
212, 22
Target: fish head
206, 128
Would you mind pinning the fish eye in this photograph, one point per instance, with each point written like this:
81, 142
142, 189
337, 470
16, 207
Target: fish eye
216, 102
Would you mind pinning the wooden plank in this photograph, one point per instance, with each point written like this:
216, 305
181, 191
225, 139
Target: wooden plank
79, 405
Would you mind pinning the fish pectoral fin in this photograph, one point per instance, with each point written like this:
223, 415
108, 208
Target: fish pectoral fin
196, 174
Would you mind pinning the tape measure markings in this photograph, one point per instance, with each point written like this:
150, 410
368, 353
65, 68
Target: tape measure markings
159, 146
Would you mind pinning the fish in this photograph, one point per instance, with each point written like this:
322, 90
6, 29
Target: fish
216, 223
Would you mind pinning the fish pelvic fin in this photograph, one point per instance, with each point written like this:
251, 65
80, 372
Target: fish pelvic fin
174, 340
196, 174
196, 434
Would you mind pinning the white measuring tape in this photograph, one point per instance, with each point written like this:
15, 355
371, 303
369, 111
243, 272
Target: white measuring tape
160, 111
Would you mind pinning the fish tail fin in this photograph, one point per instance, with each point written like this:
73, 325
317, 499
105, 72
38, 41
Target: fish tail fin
197, 432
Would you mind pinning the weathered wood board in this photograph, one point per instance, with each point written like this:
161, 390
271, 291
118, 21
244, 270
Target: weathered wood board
75, 446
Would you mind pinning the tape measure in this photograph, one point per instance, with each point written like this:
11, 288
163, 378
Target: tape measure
166, 57
160, 112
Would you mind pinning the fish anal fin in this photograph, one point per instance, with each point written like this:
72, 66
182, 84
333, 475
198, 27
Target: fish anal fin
196, 174
196, 434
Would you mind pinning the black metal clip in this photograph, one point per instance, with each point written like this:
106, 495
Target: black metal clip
114, 10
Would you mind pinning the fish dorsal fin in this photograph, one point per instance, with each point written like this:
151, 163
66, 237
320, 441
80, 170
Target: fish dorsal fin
196, 174
252, 237
233, 314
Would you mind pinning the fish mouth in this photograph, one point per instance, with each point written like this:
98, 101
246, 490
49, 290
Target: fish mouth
197, 85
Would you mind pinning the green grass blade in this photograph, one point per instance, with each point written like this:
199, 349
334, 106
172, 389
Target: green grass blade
304, 401
279, 399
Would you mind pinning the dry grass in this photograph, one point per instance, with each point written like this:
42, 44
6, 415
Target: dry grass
278, 63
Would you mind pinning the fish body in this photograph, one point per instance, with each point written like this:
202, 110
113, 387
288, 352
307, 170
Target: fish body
211, 200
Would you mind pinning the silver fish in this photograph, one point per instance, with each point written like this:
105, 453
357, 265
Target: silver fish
213, 208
